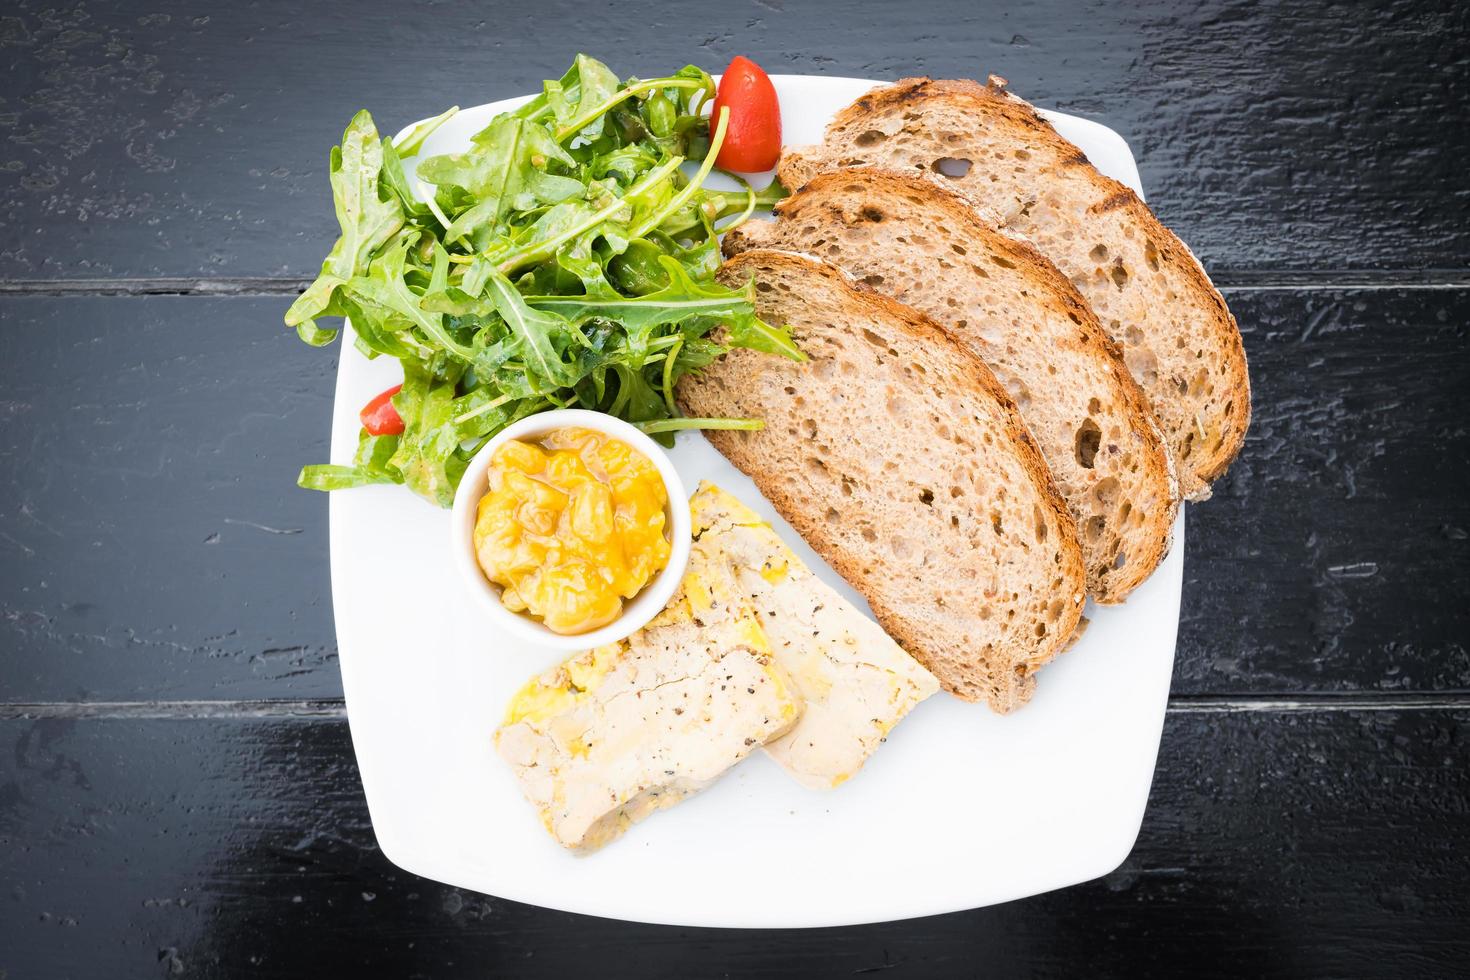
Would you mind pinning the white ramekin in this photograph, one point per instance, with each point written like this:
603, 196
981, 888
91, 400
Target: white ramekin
636, 611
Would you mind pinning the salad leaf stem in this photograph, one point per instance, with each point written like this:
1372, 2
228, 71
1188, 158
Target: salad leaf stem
439, 214
487, 407
677, 201
750, 198
412, 141
687, 422
670, 359
623, 95
546, 248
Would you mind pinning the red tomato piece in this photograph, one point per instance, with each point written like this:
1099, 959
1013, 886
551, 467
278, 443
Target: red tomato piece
379, 416
753, 136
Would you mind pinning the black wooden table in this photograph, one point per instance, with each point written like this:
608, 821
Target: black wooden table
179, 795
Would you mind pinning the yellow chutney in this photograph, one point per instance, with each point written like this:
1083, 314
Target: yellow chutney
572, 525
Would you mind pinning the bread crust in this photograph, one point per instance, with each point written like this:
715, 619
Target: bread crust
1005, 678
1010, 117
809, 213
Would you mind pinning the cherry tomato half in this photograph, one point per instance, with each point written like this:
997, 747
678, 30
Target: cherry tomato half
379, 416
753, 137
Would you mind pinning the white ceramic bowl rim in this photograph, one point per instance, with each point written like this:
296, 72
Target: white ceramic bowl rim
637, 611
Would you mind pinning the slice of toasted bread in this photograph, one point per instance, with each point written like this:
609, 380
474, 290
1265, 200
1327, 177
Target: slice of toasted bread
907, 236
897, 455
1148, 290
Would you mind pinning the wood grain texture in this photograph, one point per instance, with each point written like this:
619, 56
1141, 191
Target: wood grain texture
163, 139
1334, 554
153, 543
1275, 845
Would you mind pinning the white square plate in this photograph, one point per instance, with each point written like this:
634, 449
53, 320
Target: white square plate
962, 807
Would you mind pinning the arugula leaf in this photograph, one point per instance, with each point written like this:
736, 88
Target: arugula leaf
638, 399
626, 163
367, 217
594, 85
396, 180
681, 300
381, 330
369, 466
544, 337
560, 224
506, 169
413, 140
428, 456
755, 334
384, 285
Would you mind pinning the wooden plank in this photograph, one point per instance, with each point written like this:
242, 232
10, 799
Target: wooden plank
168, 141
1334, 553
1320, 844
153, 543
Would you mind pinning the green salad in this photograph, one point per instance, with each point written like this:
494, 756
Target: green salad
565, 260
